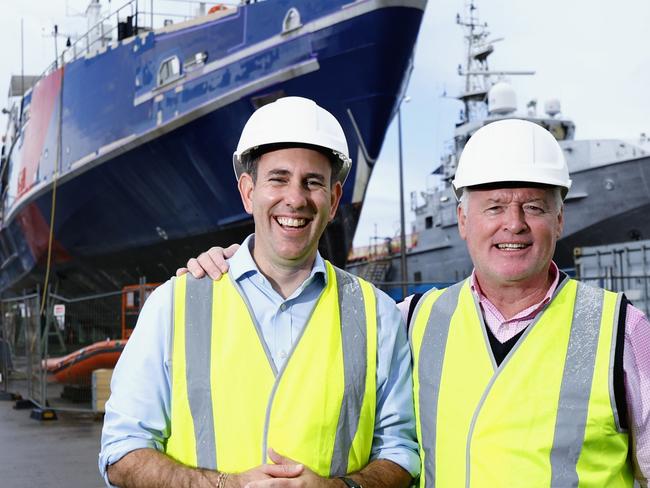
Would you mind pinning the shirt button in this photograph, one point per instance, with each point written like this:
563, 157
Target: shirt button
283, 307
283, 354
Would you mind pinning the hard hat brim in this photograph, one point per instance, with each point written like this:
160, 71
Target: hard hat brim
257, 151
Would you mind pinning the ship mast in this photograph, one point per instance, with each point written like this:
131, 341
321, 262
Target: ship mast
478, 77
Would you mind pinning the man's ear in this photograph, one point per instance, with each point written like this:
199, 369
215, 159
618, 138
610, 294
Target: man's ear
462, 221
246, 186
337, 192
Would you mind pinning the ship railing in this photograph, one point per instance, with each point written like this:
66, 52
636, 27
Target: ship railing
98, 36
135, 20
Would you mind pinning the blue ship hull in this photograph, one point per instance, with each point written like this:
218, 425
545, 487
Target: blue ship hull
143, 174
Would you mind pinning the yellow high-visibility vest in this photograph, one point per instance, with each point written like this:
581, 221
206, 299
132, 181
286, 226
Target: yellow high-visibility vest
229, 403
545, 417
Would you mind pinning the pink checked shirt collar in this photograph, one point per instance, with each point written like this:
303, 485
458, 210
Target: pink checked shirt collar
506, 329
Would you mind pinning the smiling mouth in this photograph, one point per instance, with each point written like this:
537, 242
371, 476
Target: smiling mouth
291, 223
511, 246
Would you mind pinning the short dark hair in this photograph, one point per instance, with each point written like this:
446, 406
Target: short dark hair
250, 160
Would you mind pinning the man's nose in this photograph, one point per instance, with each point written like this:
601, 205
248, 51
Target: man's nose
296, 195
515, 219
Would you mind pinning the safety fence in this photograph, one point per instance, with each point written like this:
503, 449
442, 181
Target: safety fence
54, 352
20, 350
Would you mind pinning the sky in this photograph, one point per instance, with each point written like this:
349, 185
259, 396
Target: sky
591, 54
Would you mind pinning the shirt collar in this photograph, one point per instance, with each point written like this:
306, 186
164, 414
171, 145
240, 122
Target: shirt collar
242, 264
555, 273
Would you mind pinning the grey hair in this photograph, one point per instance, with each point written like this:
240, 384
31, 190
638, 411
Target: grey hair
464, 197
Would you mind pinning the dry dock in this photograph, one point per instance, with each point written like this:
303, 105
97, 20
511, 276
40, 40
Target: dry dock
58, 454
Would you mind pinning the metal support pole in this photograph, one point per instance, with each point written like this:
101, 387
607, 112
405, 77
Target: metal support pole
56, 49
29, 344
43, 354
401, 206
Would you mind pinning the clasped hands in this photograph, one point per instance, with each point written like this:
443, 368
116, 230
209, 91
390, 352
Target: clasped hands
284, 473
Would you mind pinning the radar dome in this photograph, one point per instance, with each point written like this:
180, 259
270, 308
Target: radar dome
552, 107
502, 98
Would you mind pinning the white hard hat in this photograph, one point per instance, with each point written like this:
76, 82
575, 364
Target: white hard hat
512, 150
293, 120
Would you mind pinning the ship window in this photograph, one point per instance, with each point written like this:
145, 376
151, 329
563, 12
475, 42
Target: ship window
170, 70
428, 222
417, 276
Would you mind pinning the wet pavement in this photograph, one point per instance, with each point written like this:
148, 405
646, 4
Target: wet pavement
58, 453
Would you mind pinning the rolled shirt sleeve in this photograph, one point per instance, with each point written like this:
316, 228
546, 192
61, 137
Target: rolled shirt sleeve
138, 410
636, 366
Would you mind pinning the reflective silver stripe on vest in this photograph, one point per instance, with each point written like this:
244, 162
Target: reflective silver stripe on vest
355, 351
429, 367
198, 341
576, 386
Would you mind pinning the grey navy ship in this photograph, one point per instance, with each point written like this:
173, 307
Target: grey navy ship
609, 201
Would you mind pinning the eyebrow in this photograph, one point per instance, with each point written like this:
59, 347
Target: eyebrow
316, 176
286, 172
532, 200
278, 172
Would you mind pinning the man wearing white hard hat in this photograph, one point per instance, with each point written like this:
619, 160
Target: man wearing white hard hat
523, 377
289, 371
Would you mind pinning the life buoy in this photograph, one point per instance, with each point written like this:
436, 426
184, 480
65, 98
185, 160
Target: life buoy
217, 8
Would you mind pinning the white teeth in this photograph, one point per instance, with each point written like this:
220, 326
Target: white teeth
509, 245
289, 222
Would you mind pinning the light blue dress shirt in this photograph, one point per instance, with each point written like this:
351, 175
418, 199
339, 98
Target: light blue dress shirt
138, 411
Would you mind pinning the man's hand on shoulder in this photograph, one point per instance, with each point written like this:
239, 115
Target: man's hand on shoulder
211, 262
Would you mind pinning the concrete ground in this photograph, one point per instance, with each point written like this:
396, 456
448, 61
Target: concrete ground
59, 453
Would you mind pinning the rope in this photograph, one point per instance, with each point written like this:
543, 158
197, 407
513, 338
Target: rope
55, 178
49, 243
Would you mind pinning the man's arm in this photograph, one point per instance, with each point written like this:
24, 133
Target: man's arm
382, 474
148, 468
394, 438
138, 410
